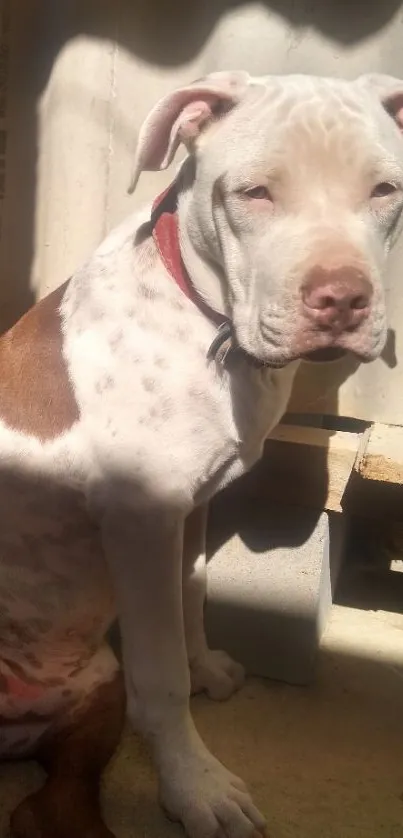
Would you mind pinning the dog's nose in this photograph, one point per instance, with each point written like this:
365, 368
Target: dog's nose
336, 299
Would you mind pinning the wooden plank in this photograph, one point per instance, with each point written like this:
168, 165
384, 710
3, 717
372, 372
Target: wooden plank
317, 437
337, 471
306, 466
382, 458
375, 489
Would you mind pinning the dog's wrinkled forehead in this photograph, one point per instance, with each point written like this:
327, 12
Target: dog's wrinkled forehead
300, 126
242, 119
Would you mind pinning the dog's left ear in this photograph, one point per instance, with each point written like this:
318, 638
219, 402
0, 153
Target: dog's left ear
390, 91
180, 117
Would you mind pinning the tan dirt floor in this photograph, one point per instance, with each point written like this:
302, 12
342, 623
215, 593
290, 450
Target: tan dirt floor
324, 761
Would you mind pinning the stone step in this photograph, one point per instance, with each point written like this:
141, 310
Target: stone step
271, 577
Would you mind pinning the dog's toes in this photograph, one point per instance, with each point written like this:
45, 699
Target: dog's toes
211, 803
216, 674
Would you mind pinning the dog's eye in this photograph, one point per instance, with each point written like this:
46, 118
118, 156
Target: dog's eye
259, 193
383, 190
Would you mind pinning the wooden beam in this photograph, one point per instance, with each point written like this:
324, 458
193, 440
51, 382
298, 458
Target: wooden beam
339, 471
381, 459
307, 466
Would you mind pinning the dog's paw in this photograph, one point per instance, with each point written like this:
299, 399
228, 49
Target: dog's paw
216, 674
210, 802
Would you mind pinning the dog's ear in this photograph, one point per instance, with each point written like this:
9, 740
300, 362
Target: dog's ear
180, 117
390, 91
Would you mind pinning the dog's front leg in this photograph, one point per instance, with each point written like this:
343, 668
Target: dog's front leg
210, 670
145, 555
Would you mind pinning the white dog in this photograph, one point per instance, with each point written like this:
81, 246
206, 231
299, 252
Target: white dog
129, 396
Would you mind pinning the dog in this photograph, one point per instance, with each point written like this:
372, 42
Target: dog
146, 383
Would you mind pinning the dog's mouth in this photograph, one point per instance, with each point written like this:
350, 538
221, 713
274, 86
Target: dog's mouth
314, 356
324, 356
325, 349
319, 356
225, 347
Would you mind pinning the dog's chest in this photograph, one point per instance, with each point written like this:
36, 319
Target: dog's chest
251, 403
161, 414
156, 409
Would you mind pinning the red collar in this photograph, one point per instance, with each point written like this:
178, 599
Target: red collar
164, 223
164, 219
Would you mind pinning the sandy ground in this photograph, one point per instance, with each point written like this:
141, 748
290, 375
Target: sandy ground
324, 761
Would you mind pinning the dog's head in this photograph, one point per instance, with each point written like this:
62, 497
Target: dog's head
295, 198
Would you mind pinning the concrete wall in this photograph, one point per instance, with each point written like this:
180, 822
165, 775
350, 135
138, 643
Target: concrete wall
76, 80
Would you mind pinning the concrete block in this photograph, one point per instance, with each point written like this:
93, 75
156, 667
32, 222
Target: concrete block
271, 577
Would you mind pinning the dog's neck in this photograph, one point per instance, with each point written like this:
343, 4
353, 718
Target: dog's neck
165, 232
166, 235
201, 283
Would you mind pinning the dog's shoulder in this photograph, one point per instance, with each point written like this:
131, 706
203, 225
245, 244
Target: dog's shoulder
36, 395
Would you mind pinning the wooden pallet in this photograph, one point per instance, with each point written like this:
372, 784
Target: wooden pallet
360, 472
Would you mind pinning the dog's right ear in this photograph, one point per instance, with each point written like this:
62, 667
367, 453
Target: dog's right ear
389, 91
180, 117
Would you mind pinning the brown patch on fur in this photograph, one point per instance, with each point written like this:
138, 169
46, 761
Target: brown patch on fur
74, 758
36, 394
29, 679
19, 672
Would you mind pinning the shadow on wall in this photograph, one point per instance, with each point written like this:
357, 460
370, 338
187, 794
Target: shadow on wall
157, 32
170, 34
